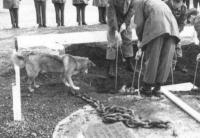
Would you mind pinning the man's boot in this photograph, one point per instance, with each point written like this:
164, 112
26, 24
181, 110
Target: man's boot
129, 64
146, 89
156, 90
111, 68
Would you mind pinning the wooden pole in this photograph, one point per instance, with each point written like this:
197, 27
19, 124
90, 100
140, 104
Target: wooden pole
16, 92
193, 113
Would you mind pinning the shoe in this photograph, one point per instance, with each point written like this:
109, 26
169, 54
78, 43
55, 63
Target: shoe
44, 26
39, 26
156, 90
146, 90
129, 64
111, 68
84, 23
104, 22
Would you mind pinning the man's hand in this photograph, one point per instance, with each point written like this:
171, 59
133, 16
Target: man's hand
138, 54
123, 27
118, 38
198, 57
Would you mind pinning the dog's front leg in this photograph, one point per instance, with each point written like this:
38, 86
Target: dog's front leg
65, 82
72, 84
36, 85
30, 81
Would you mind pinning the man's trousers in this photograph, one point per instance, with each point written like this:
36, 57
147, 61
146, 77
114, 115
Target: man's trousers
41, 12
14, 17
158, 59
59, 8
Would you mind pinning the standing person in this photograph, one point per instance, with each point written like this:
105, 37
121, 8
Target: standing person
119, 14
13, 6
196, 3
158, 32
80, 10
59, 9
187, 2
40, 6
101, 4
180, 15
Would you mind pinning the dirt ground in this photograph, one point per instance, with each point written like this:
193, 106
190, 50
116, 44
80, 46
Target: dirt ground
52, 102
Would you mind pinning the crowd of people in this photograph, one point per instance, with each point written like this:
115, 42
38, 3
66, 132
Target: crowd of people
40, 8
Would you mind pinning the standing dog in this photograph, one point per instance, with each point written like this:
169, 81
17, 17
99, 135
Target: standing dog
66, 64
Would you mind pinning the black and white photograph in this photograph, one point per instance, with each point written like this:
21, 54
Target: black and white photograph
99, 69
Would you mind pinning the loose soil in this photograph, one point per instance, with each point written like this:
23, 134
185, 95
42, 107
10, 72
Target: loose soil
52, 102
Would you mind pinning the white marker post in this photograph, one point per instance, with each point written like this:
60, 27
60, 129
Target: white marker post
16, 92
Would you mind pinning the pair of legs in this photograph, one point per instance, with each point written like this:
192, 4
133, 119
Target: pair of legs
14, 17
187, 3
40, 8
32, 75
158, 61
102, 15
196, 3
80, 10
59, 8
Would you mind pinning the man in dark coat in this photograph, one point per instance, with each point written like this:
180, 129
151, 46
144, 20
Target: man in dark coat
158, 32
119, 14
13, 6
196, 3
101, 4
181, 16
59, 8
40, 6
80, 10
187, 2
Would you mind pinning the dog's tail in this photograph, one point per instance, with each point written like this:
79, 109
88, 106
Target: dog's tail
18, 60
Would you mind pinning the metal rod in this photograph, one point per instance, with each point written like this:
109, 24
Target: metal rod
123, 58
172, 73
132, 85
141, 66
195, 74
116, 71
